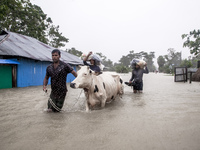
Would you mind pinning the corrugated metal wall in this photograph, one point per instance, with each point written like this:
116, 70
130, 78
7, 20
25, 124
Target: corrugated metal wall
32, 73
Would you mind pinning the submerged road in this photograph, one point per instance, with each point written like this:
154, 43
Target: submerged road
165, 117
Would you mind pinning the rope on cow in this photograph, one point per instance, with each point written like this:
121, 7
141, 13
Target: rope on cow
77, 99
80, 95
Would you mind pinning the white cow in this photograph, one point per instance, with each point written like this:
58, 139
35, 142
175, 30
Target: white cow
98, 89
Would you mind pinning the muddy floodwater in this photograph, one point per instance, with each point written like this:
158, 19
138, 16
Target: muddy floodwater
165, 117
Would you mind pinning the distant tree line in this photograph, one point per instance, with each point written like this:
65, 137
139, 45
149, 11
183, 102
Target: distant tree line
173, 59
124, 63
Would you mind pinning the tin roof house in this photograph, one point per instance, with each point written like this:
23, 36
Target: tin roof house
23, 60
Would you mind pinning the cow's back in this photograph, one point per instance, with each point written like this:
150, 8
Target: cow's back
110, 84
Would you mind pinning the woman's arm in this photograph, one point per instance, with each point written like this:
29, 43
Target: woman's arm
86, 58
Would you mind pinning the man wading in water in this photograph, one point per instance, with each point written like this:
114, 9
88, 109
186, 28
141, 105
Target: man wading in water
58, 71
137, 76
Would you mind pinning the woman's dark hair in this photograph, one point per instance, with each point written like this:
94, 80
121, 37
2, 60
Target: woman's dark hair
56, 51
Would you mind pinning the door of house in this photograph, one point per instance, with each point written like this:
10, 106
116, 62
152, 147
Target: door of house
5, 76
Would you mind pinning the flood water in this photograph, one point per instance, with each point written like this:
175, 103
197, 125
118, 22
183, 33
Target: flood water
165, 117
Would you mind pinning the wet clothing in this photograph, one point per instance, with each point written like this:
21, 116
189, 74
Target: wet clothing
138, 86
137, 75
59, 102
95, 68
58, 79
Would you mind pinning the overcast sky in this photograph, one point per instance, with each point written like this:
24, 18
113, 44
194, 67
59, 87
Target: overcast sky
115, 27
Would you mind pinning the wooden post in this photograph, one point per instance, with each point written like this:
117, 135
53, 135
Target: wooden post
183, 75
190, 76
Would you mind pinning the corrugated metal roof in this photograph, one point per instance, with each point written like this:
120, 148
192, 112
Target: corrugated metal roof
8, 61
14, 44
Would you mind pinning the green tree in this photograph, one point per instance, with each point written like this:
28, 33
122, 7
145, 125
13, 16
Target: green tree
171, 60
103, 57
192, 41
173, 57
194, 60
5, 6
22, 17
74, 52
119, 68
161, 63
108, 64
55, 37
132, 55
148, 58
126, 60
186, 63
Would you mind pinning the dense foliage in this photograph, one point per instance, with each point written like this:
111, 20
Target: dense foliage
173, 59
192, 41
22, 17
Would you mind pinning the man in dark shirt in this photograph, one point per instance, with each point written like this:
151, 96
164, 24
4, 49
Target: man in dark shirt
58, 71
136, 78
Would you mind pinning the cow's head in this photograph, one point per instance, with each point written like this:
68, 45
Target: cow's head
83, 79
